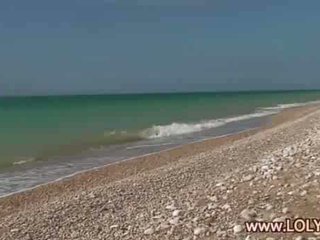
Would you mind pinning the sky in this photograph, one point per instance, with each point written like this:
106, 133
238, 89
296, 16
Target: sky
119, 46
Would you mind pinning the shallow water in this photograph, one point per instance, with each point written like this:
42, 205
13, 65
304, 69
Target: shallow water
41, 128
26, 176
46, 138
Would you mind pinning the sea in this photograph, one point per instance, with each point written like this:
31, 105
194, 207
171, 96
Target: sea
46, 138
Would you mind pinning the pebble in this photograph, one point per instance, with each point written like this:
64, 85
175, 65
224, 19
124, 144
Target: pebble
269, 207
303, 193
164, 226
285, 210
317, 173
114, 226
197, 231
174, 221
212, 206
219, 184
248, 214
91, 195
226, 207
176, 213
237, 229
254, 169
279, 219
221, 233
299, 238
171, 207
149, 231
213, 199
28, 237
247, 178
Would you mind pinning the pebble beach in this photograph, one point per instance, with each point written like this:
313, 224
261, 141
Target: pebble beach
205, 190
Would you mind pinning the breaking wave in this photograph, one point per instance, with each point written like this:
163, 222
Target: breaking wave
291, 105
176, 128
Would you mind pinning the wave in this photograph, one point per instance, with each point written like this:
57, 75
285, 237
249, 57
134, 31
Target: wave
115, 137
24, 161
291, 105
150, 145
176, 128
179, 128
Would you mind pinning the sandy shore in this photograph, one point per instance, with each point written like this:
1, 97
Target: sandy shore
204, 190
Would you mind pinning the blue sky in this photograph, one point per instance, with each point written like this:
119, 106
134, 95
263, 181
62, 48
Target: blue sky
108, 46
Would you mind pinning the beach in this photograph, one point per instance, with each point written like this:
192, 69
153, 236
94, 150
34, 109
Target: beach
47, 138
202, 190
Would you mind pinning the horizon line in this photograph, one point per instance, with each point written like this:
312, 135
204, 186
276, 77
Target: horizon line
151, 93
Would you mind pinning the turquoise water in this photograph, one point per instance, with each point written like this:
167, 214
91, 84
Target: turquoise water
38, 128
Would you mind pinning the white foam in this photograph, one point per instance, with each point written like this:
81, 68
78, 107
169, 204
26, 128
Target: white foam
174, 129
249, 116
108, 164
180, 128
23, 161
291, 105
149, 145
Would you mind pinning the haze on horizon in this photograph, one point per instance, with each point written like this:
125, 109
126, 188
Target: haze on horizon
118, 46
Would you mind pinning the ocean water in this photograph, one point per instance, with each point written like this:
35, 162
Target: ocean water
43, 138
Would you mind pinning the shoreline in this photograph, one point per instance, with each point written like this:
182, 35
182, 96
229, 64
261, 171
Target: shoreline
205, 190
132, 166
52, 170
48, 191
68, 177
59, 169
